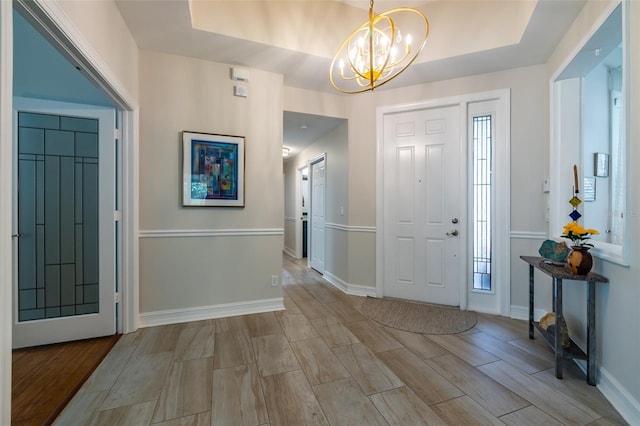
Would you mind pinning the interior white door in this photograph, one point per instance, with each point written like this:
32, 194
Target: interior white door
318, 178
64, 230
422, 216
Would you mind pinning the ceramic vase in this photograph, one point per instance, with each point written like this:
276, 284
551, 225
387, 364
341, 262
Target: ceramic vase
580, 260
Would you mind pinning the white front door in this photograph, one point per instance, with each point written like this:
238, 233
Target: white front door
318, 173
422, 215
64, 229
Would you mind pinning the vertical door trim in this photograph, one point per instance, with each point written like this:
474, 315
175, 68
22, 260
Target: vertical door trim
6, 159
503, 202
299, 247
500, 208
49, 18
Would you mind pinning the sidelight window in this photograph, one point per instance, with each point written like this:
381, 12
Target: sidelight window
482, 200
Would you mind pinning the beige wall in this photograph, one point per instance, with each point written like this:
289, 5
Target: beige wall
176, 94
101, 24
187, 273
310, 102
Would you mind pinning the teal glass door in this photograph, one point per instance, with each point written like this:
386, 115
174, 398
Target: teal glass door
64, 221
58, 258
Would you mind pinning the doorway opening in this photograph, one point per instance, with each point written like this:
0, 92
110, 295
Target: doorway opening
308, 136
88, 81
304, 209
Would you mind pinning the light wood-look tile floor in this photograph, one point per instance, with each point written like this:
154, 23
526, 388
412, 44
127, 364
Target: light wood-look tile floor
321, 362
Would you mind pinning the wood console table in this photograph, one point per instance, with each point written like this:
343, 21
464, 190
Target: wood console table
558, 273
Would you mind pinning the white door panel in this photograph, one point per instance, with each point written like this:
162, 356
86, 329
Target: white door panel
318, 178
421, 189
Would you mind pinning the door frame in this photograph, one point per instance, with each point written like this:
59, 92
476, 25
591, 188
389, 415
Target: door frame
316, 159
299, 247
6, 193
501, 302
49, 18
59, 326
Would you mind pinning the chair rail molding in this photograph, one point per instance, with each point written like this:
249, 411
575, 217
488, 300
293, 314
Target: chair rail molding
348, 228
182, 233
528, 235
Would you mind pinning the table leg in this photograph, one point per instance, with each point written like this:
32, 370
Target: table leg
591, 334
557, 308
531, 304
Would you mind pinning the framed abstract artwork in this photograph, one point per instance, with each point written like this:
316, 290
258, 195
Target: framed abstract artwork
212, 170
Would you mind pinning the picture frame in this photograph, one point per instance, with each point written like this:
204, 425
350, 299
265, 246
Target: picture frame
600, 164
212, 170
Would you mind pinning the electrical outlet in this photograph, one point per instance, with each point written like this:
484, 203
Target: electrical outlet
274, 281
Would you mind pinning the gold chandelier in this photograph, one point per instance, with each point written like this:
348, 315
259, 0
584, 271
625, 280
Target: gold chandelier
375, 52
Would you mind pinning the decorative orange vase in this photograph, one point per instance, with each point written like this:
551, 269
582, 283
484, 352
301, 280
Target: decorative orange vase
580, 260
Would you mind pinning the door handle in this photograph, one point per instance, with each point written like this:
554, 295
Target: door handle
15, 236
453, 233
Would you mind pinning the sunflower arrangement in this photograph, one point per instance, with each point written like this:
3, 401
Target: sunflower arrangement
578, 234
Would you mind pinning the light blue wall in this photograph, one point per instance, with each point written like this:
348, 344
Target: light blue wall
595, 138
40, 71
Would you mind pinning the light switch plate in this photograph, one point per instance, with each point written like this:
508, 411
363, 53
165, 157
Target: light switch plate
241, 91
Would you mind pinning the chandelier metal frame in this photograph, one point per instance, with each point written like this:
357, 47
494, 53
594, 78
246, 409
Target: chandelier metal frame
366, 59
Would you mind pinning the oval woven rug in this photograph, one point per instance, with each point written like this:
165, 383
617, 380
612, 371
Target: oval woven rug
418, 317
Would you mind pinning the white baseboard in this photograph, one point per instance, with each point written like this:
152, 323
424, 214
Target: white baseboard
481, 310
619, 397
353, 289
175, 316
522, 313
290, 252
